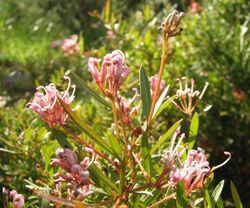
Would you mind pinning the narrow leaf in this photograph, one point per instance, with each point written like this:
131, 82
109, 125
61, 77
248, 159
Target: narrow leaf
181, 198
89, 90
163, 107
236, 197
165, 136
217, 191
193, 130
145, 92
112, 140
220, 203
160, 100
147, 163
209, 203
85, 127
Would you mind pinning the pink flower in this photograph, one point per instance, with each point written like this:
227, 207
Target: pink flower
194, 7
70, 45
47, 105
18, 199
110, 34
153, 85
113, 71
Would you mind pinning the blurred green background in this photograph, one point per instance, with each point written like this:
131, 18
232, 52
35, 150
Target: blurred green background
214, 46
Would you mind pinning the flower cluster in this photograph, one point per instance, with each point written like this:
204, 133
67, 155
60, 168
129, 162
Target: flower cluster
153, 85
113, 72
193, 171
17, 199
76, 177
48, 107
188, 97
70, 45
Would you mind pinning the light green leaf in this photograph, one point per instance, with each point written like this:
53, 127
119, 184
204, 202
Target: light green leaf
91, 91
145, 92
85, 127
165, 136
160, 100
193, 130
220, 203
236, 197
112, 140
217, 191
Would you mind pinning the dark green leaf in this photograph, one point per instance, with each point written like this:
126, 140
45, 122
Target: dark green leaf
85, 127
165, 136
147, 163
193, 130
236, 197
217, 191
91, 91
145, 92
181, 198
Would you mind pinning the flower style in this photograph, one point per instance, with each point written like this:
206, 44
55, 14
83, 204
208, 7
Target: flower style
153, 85
113, 70
77, 176
18, 199
70, 45
188, 97
47, 105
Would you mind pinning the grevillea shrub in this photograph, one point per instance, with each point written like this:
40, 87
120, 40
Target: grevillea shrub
124, 166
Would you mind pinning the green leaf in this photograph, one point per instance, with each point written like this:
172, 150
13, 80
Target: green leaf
61, 138
217, 191
157, 193
102, 180
193, 130
147, 163
85, 127
89, 90
236, 197
220, 203
160, 100
81, 42
112, 140
145, 92
163, 106
165, 136
209, 202
181, 198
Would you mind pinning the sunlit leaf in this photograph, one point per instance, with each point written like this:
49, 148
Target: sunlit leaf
209, 202
217, 191
147, 163
160, 100
165, 136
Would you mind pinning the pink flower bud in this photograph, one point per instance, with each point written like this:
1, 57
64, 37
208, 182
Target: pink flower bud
113, 69
47, 105
153, 85
18, 199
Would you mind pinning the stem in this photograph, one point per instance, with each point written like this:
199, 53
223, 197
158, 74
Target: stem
163, 62
79, 139
116, 121
162, 201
